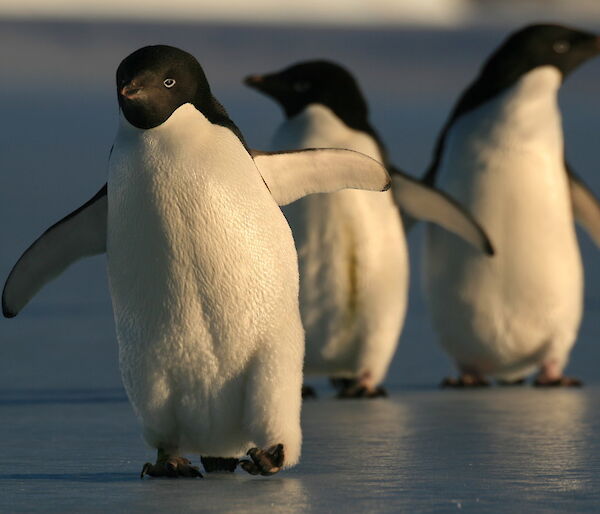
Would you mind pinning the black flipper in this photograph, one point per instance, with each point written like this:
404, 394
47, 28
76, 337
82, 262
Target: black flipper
586, 207
423, 202
79, 234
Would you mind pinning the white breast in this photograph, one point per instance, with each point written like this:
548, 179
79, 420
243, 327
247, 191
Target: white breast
202, 268
352, 254
504, 163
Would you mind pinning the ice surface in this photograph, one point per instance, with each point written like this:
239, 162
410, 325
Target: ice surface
70, 442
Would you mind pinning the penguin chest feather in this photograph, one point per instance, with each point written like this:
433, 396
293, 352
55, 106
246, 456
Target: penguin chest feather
201, 261
352, 257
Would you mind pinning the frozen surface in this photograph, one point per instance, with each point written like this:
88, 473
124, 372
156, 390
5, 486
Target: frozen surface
504, 450
70, 442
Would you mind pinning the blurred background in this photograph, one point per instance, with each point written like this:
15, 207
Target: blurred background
58, 117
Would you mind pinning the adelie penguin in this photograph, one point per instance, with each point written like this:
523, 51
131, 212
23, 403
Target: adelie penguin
501, 155
202, 269
351, 244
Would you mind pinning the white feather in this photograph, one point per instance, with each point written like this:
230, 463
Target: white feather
204, 282
294, 175
353, 260
503, 161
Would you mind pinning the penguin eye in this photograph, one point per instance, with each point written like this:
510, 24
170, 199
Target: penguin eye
301, 86
561, 46
169, 82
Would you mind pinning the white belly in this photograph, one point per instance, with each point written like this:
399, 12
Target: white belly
203, 278
353, 260
504, 163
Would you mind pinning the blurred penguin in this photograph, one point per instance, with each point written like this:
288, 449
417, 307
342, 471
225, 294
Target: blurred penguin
351, 244
501, 155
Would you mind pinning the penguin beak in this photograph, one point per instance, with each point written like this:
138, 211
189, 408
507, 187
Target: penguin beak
130, 91
254, 80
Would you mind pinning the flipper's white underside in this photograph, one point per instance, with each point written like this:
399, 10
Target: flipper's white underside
293, 175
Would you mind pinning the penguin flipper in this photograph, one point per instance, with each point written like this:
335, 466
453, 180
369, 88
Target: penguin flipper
293, 175
421, 201
79, 234
586, 207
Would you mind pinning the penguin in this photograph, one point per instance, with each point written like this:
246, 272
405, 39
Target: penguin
202, 269
500, 154
351, 244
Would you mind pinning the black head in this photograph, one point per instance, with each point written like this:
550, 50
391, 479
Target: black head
311, 82
529, 48
154, 81
523, 51
542, 45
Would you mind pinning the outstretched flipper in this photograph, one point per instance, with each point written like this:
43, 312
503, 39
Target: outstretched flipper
79, 234
293, 175
421, 201
586, 207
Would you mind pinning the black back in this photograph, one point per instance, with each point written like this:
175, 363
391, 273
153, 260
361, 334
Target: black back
318, 82
523, 51
154, 81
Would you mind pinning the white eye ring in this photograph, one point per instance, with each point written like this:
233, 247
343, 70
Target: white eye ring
169, 82
561, 46
301, 86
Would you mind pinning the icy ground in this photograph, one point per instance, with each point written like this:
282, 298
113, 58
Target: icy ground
69, 441
506, 450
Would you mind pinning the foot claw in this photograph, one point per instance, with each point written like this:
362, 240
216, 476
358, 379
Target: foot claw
351, 388
465, 380
171, 467
264, 462
557, 382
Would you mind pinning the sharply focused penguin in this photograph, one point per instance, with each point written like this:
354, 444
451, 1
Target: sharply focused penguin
351, 244
501, 156
202, 268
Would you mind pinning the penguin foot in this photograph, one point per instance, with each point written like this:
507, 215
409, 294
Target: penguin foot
308, 393
511, 383
264, 462
219, 464
543, 381
170, 466
464, 381
352, 388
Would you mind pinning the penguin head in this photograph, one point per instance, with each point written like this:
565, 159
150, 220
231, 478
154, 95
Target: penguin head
154, 81
313, 82
540, 45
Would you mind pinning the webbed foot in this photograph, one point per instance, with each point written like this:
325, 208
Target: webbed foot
542, 381
463, 381
217, 464
170, 466
264, 462
354, 388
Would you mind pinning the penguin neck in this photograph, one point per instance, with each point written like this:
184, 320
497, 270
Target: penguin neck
526, 112
319, 126
531, 103
535, 90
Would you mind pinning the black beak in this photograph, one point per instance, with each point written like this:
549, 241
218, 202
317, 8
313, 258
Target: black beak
130, 91
254, 81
